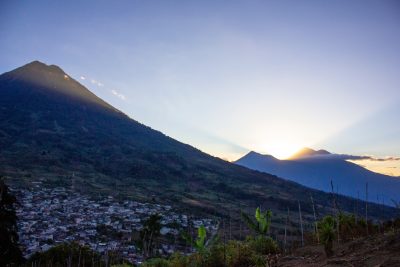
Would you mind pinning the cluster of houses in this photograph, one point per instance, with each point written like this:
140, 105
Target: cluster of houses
50, 216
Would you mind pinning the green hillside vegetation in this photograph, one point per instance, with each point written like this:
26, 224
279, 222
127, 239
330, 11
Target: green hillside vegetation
259, 249
68, 254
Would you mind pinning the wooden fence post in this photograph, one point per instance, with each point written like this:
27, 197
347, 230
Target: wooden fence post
366, 206
315, 219
301, 226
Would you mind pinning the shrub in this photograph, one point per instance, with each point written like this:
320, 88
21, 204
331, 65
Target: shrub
178, 260
156, 262
326, 229
262, 245
252, 252
66, 252
240, 254
347, 226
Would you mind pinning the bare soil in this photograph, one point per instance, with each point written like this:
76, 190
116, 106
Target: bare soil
374, 251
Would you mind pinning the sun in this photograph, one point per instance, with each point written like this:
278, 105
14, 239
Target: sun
280, 150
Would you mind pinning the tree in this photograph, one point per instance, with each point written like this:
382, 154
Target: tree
10, 254
151, 230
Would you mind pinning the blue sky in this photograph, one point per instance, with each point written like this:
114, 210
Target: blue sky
228, 76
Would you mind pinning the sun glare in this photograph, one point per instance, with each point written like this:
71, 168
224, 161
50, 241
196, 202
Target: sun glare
280, 150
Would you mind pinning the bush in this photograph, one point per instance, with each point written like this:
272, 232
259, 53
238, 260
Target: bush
156, 262
347, 227
178, 260
66, 252
240, 254
255, 251
326, 229
262, 245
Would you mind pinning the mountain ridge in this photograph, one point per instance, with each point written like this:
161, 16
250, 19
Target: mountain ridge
49, 135
318, 170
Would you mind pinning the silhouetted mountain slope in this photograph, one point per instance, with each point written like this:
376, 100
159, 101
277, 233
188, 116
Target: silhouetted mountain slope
316, 169
54, 130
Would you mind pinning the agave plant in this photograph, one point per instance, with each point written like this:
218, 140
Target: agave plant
326, 229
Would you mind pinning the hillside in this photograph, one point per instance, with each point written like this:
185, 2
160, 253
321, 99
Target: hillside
55, 131
316, 169
378, 250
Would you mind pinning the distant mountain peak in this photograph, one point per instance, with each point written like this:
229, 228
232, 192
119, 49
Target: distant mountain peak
253, 154
40, 66
52, 80
309, 152
36, 63
39, 73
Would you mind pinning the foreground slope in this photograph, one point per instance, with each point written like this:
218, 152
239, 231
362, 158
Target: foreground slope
54, 130
316, 169
377, 250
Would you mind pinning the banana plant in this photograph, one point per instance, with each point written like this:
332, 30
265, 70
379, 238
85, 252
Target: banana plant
261, 224
200, 243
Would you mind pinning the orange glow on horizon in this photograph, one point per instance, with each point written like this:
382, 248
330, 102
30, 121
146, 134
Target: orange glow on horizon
280, 150
390, 167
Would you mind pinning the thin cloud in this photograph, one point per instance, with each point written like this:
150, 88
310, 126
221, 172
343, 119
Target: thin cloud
341, 157
119, 95
95, 82
83, 78
356, 157
386, 159
352, 157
